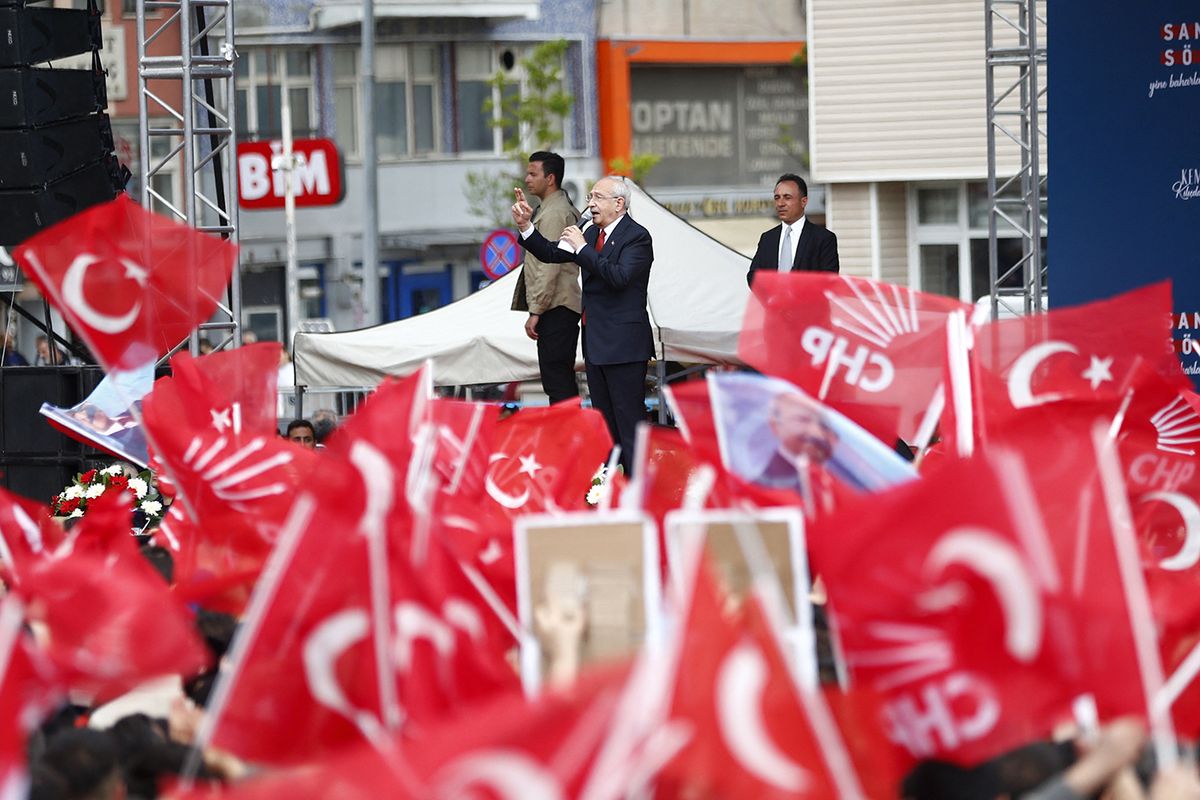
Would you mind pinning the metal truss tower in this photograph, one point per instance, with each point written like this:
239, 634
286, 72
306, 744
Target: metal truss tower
1016, 117
186, 114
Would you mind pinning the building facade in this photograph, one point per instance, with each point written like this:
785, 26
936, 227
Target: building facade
432, 78
899, 134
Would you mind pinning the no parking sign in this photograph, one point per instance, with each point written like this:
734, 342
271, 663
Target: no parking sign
500, 253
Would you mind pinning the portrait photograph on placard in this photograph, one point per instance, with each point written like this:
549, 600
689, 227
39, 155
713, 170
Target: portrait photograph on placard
587, 592
781, 534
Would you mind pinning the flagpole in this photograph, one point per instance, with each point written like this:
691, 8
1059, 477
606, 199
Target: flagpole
1137, 601
264, 593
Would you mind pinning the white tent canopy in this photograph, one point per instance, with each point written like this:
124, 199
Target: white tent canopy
697, 297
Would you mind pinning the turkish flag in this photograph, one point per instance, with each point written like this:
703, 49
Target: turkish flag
29, 691
544, 459
1083, 353
465, 432
391, 420
751, 733
132, 284
27, 535
539, 460
1085, 529
508, 747
450, 648
951, 606
113, 622
872, 350
217, 561
319, 637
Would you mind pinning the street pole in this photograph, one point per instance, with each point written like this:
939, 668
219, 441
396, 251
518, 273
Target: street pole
370, 249
286, 162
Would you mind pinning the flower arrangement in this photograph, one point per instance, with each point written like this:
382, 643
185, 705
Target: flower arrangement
596, 490
72, 502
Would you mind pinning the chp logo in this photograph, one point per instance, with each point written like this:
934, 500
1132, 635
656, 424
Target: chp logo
1188, 185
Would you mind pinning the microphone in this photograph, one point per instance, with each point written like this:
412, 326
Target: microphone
585, 222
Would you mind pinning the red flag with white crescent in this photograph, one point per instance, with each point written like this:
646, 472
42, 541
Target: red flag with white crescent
132, 284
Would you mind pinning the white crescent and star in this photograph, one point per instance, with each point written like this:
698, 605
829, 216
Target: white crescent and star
1020, 376
76, 300
499, 495
999, 563
741, 679
1189, 554
529, 466
509, 774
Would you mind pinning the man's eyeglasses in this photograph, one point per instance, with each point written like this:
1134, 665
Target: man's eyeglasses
590, 196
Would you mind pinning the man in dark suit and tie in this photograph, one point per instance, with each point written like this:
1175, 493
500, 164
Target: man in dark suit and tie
614, 254
797, 244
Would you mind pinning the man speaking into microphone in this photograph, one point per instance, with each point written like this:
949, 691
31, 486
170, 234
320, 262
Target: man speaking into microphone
615, 254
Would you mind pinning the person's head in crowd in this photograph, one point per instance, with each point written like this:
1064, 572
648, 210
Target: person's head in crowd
206, 346
544, 175
148, 755
42, 344
87, 762
249, 337
324, 423
160, 558
46, 784
801, 428
791, 197
302, 432
217, 630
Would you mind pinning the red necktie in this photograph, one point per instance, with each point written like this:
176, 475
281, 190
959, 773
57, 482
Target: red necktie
599, 244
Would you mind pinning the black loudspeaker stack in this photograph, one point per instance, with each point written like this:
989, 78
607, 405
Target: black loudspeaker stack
56, 144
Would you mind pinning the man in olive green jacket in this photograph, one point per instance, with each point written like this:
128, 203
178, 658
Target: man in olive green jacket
550, 292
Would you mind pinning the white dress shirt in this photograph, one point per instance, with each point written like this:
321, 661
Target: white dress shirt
797, 227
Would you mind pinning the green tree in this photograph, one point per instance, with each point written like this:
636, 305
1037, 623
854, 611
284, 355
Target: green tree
529, 119
637, 166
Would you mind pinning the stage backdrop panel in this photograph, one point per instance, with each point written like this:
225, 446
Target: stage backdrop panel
1124, 154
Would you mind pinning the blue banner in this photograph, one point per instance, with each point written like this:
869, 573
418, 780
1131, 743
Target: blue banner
1124, 155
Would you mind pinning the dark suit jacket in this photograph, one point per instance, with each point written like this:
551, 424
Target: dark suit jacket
816, 250
616, 326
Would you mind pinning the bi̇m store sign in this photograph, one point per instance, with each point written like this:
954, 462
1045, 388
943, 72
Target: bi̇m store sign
316, 175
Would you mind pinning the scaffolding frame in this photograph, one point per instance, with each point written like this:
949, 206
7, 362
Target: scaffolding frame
199, 133
1016, 113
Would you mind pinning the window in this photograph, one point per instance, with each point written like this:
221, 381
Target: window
260, 75
83, 4
475, 66
949, 252
406, 106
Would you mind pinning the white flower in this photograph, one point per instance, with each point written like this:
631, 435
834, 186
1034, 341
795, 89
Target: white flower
593, 495
151, 507
94, 491
115, 469
76, 513
138, 487
73, 492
